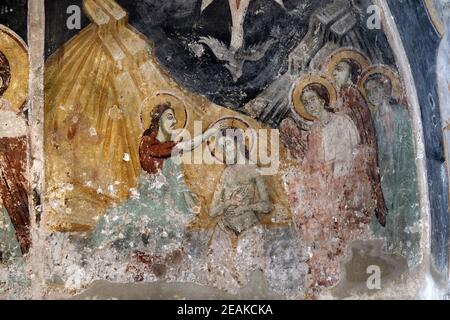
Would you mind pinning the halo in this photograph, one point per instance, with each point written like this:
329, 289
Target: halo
150, 103
16, 51
230, 122
397, 88
345, 53
301, 84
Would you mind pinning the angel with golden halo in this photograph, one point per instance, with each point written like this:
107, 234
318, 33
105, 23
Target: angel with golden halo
345, 66
333, 136
396, 153
331, 191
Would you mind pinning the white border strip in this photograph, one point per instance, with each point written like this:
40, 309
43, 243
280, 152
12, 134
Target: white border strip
36, 43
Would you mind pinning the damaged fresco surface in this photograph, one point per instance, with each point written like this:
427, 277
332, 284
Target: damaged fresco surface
231, 148
15, 235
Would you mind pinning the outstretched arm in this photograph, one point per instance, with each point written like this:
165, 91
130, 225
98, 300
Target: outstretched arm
190, 145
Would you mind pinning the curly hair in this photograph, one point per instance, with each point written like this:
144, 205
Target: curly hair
321, 91
5, 73
156, 117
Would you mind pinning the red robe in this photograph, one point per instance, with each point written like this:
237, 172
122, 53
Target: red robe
152, 153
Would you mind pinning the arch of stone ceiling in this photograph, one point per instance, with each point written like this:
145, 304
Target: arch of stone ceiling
406, 73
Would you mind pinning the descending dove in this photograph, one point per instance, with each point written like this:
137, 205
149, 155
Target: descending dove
236, 58
236, 54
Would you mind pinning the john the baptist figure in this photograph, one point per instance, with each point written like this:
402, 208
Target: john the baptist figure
154, 219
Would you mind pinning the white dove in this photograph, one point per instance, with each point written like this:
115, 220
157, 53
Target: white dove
236, 54
236, 58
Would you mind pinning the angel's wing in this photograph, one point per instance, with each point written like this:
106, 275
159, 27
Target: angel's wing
258, 51
219, 49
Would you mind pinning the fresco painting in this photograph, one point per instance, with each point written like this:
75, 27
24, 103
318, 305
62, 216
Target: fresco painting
212, 148
118, 92
15, 228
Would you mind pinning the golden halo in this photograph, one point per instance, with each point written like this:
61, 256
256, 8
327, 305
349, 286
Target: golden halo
230, 122
301, 84
150, 103
391, 74
345, 53
16, 51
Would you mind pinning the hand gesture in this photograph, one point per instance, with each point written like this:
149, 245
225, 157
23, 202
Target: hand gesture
192, 202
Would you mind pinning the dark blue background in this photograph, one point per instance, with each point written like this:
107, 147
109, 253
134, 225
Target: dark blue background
421, 43
16, 19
